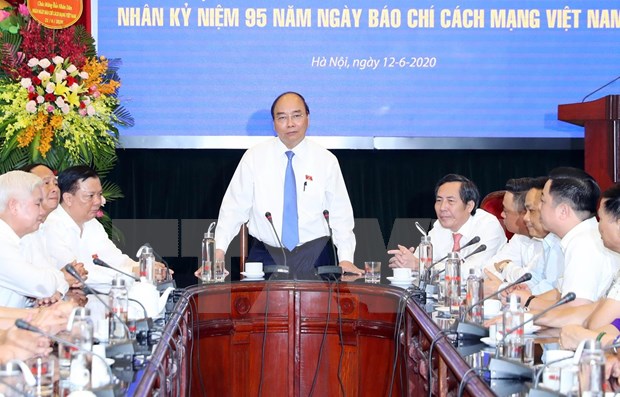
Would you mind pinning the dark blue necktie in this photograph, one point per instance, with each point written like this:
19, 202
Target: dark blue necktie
290, 228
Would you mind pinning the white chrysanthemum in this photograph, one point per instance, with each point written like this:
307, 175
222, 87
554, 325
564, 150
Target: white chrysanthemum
58, 60
26, 83
44, 63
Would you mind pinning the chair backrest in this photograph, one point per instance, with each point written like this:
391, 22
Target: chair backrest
492, 203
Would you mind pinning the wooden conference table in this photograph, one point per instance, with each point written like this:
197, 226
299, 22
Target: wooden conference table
294, 338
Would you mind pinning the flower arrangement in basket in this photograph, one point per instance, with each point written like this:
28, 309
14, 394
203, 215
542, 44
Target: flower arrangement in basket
59, 100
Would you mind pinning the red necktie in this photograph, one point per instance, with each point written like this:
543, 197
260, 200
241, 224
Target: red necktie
457, 241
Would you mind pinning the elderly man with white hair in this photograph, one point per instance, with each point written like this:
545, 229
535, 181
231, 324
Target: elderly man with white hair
21, 213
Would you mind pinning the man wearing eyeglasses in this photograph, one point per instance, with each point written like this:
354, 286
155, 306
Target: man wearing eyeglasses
72, 233
294, 180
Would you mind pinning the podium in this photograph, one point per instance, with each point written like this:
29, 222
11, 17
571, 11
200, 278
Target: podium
352, 339
600, 119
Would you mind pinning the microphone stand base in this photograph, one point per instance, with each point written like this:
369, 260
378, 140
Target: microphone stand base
466, 330
275, 269
502, 368
164, 285
329, 272
122, 348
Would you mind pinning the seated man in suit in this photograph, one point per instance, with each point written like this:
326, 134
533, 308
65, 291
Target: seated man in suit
72, 233
458, 221
539, 253
33, 245
21, 213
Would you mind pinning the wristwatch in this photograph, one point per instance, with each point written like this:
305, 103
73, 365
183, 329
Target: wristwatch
526, 307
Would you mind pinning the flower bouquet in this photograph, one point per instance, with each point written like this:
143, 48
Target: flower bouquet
59, 101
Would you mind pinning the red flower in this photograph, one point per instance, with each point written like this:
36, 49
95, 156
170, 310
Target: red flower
71, 80
32, 96
50, 97
82, 105
36, 80
50, 69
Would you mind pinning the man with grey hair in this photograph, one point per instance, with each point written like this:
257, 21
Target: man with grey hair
21, 213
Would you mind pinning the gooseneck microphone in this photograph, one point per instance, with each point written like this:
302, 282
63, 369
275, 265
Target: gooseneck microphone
23, 324
471, 242
326, 272
501, 368
600, 88
468, 330
276, 268
101, 263
125, 347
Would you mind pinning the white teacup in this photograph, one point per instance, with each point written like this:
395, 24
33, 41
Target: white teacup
253, 267
402, 273
529, 327
492, 307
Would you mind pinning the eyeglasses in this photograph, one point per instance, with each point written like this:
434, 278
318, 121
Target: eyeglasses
284, 118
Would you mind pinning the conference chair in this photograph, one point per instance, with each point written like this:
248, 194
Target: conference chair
492, 203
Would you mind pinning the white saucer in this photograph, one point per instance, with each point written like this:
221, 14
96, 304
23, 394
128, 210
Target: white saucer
253, 276
531, 329
394, 280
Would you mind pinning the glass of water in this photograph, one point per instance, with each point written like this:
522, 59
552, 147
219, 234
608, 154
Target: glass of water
373, 271
219, 271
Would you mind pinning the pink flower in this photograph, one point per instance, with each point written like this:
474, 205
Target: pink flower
99, 214
4, 15
31, 107
23, 10
50, 108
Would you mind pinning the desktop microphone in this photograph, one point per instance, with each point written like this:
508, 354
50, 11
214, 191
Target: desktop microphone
600, 88
119, 348
468, 330
327, 271
473, 241
276, 268
101, 263
509, 369
23, 324
168, 281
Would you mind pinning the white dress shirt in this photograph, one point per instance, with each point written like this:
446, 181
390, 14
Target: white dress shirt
33, 248
542, 258
481, 224
257, 187
66, 243
589, 267
19, 278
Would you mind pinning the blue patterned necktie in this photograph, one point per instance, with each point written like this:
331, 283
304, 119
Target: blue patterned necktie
290, 228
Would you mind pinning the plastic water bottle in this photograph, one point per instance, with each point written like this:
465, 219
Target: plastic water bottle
592, 370
453, 282
513, 336
475, 293
208, 255
81, 361
425, 255
147, 264
119, 303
